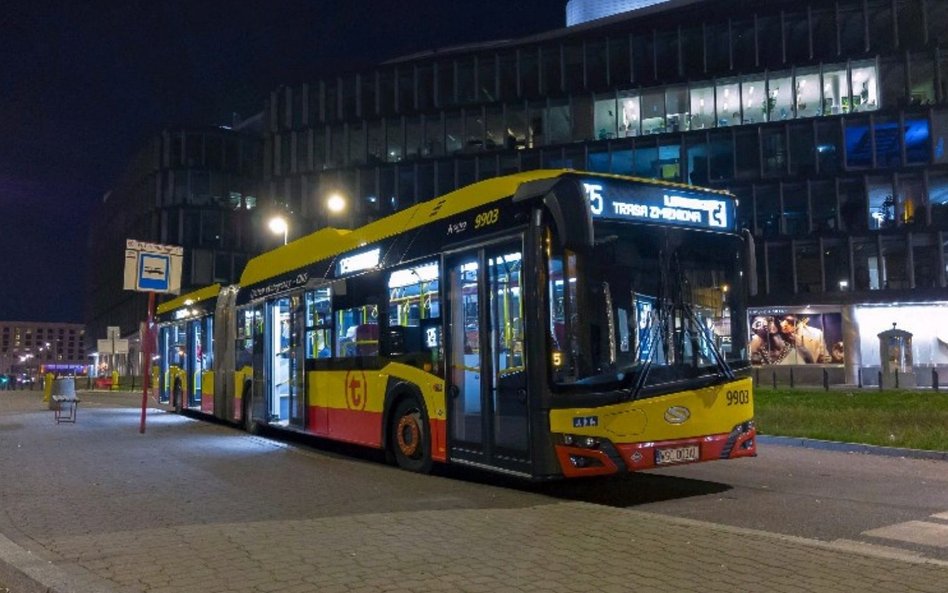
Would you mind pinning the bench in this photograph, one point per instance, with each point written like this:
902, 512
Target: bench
65, 408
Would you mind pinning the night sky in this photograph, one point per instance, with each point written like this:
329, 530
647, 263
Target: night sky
84, 83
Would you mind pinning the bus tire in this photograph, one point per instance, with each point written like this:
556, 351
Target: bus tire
247, 412
410, 439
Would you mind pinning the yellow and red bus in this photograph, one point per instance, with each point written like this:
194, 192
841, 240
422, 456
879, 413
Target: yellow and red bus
545, 324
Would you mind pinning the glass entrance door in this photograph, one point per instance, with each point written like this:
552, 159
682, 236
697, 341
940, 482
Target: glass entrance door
465, 360
195, 364
284, 384
487, 370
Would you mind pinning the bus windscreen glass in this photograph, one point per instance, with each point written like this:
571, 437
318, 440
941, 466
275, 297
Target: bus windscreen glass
644, 297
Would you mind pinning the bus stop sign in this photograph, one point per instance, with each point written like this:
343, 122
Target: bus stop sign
151, 267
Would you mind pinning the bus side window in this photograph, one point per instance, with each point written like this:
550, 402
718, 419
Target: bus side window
355, 315
414, 313
318, 307
357, 331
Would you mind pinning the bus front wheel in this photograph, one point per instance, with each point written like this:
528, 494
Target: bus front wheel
410, 437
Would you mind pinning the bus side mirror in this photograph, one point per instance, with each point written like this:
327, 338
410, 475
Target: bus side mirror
750, 262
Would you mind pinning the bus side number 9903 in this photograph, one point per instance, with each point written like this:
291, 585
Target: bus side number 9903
486, 218
738, 397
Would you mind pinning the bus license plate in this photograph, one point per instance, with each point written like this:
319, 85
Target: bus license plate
676, 455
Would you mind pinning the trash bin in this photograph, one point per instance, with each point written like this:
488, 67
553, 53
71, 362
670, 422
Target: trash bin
62, 387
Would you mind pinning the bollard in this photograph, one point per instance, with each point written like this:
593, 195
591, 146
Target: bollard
48, 386
775, 379
880, 380
826, 380
115, 381
791, 377
859, 378
934, 379
896, 378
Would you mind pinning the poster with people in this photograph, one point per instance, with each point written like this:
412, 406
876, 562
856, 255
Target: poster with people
796, 338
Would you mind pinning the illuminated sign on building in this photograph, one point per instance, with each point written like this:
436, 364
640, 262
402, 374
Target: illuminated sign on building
659, 205
583, 11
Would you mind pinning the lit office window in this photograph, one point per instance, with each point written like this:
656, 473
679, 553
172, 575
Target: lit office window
808, 92
754, 98
865, 86
676, 106
629, 114
604, 117
836, 97
779, 104
728, 103
653, 111
702, 106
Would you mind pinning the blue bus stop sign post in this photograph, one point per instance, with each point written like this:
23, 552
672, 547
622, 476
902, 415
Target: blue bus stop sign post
151, 268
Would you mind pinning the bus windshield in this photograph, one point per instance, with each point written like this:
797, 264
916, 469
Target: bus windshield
644, 307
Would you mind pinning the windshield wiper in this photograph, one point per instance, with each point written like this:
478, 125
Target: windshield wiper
659, 325
723, 367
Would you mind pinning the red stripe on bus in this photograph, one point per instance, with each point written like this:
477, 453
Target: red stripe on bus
365, 428
439, 440
343, 424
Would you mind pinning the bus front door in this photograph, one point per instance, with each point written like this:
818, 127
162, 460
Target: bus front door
488, 411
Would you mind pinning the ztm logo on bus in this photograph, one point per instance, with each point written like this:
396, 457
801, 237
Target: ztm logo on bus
355, 390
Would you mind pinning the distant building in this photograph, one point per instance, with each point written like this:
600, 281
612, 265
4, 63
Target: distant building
194, 187
30, 347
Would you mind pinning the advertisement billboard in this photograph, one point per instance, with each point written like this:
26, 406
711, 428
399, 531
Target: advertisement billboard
796, 337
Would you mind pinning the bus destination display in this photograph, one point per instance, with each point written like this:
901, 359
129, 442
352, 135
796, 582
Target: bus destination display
659, 205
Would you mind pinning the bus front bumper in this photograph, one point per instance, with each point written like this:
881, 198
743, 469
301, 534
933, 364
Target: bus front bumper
581, 456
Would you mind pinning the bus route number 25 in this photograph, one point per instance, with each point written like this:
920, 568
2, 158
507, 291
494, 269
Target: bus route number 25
738, 397
486, 218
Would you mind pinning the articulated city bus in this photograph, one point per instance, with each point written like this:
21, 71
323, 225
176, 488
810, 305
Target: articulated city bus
544, 324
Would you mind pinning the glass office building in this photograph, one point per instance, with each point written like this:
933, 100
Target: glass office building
194, 187
827, 119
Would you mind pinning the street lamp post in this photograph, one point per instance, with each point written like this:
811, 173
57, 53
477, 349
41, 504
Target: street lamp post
279, 225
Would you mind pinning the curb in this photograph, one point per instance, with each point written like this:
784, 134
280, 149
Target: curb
851, 447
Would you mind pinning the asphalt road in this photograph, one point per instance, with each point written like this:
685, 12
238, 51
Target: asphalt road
825, 495
195, 506
831, 496
858, 498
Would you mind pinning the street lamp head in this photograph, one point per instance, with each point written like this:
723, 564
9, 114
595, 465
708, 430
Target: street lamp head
278, 225
336, 203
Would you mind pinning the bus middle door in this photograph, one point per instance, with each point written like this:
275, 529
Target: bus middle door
488, 423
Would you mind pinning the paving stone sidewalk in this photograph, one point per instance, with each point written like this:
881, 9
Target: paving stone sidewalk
194, 506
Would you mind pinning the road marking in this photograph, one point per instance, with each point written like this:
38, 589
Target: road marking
942, 516
915, 532
836, 545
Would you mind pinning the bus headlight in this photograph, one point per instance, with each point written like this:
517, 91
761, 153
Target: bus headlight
586, 442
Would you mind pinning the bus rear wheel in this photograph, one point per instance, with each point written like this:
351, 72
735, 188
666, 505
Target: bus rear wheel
250, 425
410, 437
177, 394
